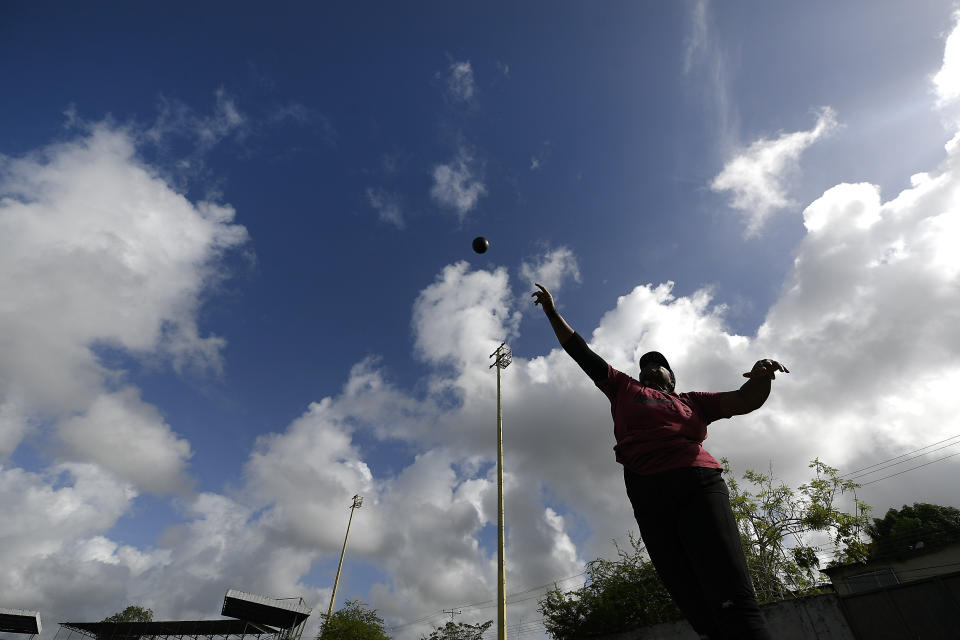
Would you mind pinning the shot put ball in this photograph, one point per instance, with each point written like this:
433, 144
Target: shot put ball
481, 244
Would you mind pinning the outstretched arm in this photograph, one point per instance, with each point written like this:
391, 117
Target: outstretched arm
575, 346
754, 391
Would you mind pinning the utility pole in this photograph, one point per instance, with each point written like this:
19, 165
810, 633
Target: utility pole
357, 503
503, 359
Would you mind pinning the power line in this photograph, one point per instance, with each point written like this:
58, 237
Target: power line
522, 628
486, 604
514, 599
552, 582
905, 460
902, 455
912, 469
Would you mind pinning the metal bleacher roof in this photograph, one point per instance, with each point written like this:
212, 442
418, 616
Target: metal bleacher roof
19, 621
281, 614
248, 615
133, 630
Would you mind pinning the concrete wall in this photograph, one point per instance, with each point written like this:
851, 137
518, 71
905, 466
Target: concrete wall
810, 618
926, 608
814, 617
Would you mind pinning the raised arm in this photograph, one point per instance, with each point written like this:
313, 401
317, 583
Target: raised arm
754, 392
575, 346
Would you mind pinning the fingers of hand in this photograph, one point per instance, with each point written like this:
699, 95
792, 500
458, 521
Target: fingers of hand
542, 297
776, 366
767, 369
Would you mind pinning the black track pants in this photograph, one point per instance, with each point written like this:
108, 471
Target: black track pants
690, 533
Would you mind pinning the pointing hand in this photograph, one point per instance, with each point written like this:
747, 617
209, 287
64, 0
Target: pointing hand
544, 299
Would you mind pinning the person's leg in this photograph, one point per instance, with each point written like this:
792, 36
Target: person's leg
654, 499
708, 532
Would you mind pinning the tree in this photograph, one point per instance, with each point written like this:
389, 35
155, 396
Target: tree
132, 613
354, 621
459, 631
921, 526
618, 595
776, 524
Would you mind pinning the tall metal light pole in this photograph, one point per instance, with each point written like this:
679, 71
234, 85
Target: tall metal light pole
503, 358
357, 503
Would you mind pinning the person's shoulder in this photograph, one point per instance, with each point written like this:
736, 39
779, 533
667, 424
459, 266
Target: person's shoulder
622, 377
616, 379
711, 404
698, 398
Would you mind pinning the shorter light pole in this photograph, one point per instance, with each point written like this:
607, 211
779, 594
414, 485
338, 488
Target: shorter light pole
357, 503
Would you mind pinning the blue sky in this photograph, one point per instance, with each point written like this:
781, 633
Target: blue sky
238, 285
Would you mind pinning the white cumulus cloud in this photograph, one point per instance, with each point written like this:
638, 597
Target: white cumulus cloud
122, 433
97, 250
463, 315
551, 269
946, 81
458, 184
755, 175
53, 510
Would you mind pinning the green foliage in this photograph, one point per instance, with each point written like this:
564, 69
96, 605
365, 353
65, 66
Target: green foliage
459, 631
776, 522
901, 531
618, 596
131, 614
354, 621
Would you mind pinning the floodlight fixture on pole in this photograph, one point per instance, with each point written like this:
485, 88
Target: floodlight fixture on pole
503, 359
357, 503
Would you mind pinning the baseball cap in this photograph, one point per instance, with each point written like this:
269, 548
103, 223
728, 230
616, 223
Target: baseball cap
655, 357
